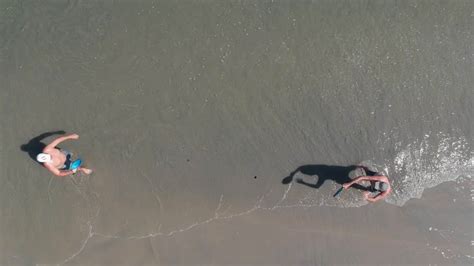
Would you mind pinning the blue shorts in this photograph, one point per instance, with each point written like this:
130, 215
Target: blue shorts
69, 164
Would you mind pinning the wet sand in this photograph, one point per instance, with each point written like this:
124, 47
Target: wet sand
192, 114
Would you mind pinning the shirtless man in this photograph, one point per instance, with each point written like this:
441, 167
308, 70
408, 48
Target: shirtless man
56, 160
378, 184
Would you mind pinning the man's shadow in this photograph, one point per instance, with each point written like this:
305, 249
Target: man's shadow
338, 174
35, 146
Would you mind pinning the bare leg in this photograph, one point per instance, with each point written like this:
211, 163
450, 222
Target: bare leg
85, 170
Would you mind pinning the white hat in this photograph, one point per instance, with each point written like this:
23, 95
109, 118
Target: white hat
43, 158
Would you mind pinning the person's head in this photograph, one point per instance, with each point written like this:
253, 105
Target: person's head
381, 186
43, 158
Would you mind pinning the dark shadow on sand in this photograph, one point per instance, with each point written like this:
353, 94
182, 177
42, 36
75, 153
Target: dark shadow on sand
335, 173
35, 146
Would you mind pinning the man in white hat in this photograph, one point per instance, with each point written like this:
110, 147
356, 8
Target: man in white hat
58, 161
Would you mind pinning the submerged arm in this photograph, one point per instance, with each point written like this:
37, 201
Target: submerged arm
376, 198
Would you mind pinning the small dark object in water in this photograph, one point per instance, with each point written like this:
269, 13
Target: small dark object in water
338, 191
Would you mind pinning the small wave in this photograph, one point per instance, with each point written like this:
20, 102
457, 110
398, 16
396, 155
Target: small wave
426, 163
422, 164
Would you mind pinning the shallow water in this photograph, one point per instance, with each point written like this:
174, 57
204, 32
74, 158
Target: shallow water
192, 113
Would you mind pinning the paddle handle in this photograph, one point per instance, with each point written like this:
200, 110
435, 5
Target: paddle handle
338, 191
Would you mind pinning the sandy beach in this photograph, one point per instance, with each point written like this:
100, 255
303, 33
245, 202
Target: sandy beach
192, 113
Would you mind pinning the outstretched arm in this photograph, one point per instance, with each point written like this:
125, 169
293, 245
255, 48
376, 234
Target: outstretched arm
355, 180
59, 140
45, 135
366, 178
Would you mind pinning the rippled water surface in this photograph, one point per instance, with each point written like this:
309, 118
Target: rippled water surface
192, 113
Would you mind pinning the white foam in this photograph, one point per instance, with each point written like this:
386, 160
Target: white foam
428, 163
414, 167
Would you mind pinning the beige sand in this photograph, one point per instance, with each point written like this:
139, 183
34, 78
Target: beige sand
192, 113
